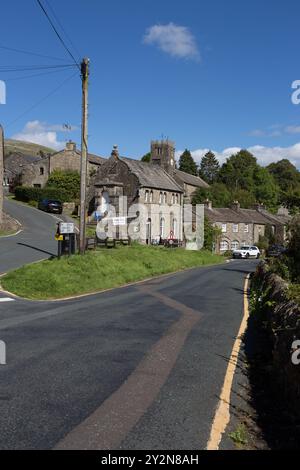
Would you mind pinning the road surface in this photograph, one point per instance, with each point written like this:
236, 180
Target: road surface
35, 241
139, 367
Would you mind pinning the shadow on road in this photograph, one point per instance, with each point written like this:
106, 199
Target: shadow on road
38, 249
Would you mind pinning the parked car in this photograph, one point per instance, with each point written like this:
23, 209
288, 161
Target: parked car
247, 252
274, 251
50, 205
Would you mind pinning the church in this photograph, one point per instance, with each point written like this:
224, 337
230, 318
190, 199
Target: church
158, 186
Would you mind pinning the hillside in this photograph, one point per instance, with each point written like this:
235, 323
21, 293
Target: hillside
26, 148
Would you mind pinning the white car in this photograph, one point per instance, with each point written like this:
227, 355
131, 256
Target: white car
247, 252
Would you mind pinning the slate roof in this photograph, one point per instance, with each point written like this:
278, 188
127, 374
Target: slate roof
190, 179
14, 161
151, 176
247, 216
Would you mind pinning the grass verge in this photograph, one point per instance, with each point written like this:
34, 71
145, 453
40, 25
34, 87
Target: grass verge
5, 233
98, 270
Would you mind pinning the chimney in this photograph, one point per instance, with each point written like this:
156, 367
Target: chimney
258, 206
115, 152
71, 146
208, 204
235, 206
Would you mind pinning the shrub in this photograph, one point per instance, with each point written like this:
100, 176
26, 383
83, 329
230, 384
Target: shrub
29, 194
68, 181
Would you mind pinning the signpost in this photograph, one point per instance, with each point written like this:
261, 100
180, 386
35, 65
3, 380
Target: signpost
65, 235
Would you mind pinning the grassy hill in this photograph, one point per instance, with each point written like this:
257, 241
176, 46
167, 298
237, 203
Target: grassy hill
26, 148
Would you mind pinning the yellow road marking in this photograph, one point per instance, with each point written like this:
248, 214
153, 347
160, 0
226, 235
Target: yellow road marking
222, 415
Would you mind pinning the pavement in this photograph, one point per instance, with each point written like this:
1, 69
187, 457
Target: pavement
140, 367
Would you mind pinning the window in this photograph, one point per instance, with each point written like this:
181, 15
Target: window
177, 199
147, 196
165, 198
246, 228
37, 185
160, 197
235, 245
162, 227
224, 228
235, 228
41, 170
151, 196
224, 245
173, 198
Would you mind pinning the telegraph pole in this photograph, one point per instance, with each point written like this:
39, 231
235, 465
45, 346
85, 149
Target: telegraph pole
1, 173
84, 140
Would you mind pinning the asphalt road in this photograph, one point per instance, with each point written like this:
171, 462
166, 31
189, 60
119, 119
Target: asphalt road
35, 241
140, 367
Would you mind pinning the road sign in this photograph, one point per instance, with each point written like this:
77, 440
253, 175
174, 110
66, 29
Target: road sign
119, 221
59, 237
66, 228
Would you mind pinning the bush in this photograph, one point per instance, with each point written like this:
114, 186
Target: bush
68, 181
29, 194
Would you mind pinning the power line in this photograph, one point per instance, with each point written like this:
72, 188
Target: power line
21, 68
63, 29
36, 75
21, 51
57, 33
41, 100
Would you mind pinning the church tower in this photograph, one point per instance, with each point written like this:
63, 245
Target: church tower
163, 154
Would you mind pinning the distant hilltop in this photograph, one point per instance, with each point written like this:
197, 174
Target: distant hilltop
25, 148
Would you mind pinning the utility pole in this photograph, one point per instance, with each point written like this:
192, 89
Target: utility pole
84, 139
1, 173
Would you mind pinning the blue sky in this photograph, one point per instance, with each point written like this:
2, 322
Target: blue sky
209, 75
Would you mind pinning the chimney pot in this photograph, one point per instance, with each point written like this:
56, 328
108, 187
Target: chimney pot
208, 204
235, 206
115, 152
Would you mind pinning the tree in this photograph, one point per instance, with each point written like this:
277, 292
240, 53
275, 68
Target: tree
217, 193
146, 158
245, 198
265, 188
209, 168
187, 163
294, 247
237, 171
66, 180
211, 235
286, 175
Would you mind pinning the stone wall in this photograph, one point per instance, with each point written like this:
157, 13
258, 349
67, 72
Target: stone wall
280, 316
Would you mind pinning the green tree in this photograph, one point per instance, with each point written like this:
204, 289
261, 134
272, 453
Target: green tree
146, 158
66, 180
286, 175
245, 198
265, 188
217, 193
187, 163
237, 172
211, 235
209, 167
294, 247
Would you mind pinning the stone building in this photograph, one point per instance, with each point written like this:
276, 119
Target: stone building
142, 183
163, 154
240, 227
68, 159
35, 171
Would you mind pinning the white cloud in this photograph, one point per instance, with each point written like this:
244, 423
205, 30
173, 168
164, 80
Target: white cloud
175, 40
264, 155
42, 133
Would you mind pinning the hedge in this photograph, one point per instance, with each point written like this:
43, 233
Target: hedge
27, 193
